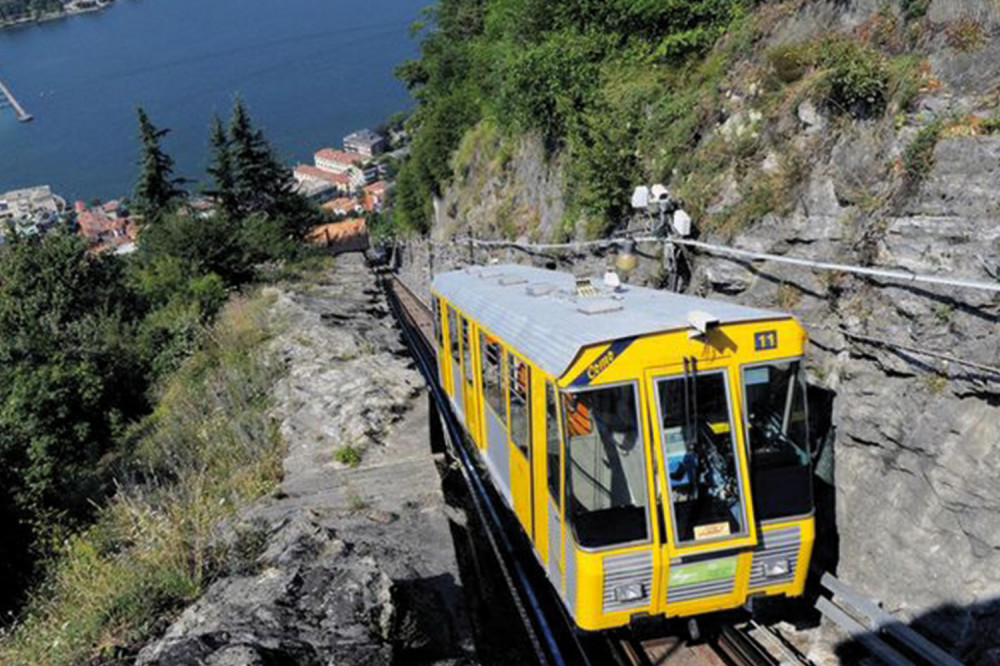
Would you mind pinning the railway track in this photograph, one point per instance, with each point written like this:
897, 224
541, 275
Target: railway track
549, 626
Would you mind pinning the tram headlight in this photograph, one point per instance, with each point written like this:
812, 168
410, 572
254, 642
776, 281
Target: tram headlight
630, 592
776, 568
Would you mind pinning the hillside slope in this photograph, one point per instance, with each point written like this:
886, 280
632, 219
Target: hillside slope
860, 132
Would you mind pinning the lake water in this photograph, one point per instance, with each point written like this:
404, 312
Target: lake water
310, 71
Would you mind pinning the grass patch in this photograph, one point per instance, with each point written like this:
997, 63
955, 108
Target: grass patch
208, 449
348, 454
918, 158
965, 34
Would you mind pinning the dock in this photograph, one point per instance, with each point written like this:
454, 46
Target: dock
22, 115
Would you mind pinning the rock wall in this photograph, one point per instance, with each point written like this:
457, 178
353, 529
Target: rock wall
352, 561
916, 438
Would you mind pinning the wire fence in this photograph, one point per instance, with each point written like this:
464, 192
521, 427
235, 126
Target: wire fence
902, 276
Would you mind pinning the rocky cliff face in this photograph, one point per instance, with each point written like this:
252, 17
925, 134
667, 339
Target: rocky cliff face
916, 438
346, 564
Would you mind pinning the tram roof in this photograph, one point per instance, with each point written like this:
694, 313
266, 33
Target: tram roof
541, 314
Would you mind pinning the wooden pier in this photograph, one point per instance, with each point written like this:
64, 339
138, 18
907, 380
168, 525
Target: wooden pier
22, 115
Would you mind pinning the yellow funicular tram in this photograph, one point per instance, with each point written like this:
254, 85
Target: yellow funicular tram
652, 445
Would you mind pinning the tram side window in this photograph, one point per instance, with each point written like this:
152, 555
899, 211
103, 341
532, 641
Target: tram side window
519, 383
552, 442
777, 433
453, 334
492, 373
466, 351
608, 501
438, 334
700, 450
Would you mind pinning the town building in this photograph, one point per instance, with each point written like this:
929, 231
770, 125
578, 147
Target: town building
352, 164
343, 236
31, 211
106, 226
320, 184
373, 195
338, 161
344, 206
365, 142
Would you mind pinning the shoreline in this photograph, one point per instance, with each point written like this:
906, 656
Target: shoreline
65, 13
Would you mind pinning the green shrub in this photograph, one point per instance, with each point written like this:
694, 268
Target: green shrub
858, 77
918, 158
915, 9
789, 61
348, 455
209, 448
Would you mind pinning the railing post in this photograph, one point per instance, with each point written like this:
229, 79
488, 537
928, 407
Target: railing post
430, 260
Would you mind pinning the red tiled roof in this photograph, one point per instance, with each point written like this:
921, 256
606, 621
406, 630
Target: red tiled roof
377, 188
338, 231
98, 227
340, 156
308, 171
341, 205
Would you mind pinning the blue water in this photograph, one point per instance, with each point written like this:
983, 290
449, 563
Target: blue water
310, 70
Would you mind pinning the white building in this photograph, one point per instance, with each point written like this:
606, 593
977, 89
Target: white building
365, 142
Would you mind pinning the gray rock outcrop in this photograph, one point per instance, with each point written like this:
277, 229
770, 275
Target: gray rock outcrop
351, 562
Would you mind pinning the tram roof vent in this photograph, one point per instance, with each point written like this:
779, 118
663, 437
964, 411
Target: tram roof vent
702, 322
599, 306
543, 289
511, 280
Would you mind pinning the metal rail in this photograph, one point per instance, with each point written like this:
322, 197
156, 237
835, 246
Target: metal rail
885, 273
536, 622
742, 649
866, 622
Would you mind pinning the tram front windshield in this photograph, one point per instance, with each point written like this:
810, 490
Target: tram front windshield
606, 476
706, 495
777, 434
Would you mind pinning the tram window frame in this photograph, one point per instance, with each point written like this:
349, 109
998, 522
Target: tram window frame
466, 349
553, 443
438, 331
493, 373
600, 532
742, 491
523, 412
765, 503
453, 334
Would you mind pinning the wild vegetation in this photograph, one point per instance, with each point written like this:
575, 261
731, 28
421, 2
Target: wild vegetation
628, 91
94, 410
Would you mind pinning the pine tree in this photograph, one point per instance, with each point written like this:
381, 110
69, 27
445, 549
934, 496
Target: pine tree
222, 171
158, 189
262, 184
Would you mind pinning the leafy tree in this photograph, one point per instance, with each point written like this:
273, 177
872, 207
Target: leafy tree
541, 66
158, 189
70, 378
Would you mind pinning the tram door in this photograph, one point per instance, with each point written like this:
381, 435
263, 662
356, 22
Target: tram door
452, 384
519, 427
705, 487
468, 374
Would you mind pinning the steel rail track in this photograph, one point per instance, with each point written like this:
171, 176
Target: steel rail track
414, 321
